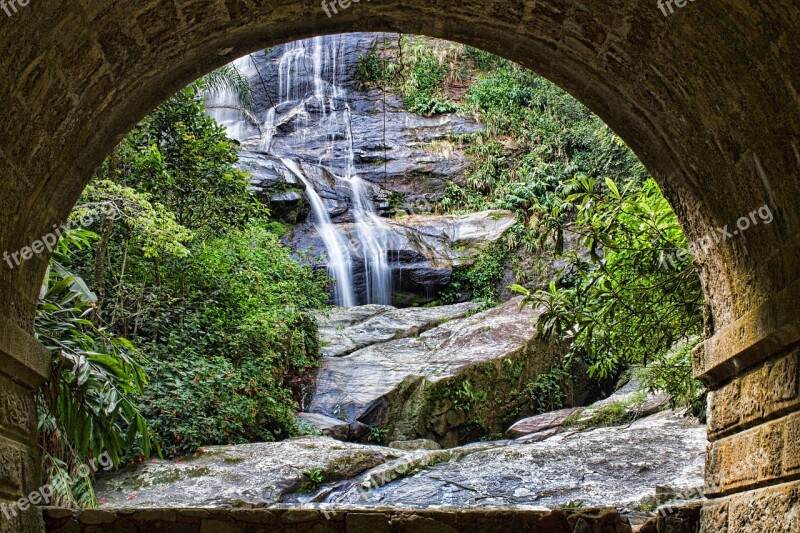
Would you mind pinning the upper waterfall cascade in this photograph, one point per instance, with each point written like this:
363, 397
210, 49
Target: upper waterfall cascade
312, 94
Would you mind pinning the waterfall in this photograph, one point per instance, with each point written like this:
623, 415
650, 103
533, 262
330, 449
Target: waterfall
311, 92
340, 266
373, 237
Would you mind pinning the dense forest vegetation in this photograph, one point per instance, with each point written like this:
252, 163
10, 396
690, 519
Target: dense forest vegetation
579, 193
178, 319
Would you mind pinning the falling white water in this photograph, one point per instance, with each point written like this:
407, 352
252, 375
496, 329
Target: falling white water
373, 236
340, 266
312, 93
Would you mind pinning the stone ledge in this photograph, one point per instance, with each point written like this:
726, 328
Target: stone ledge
765, 455
22, 358
774, 509
751, 340
330, 520
766, 393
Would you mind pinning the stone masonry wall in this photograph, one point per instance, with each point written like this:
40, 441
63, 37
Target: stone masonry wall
349, 521
707, 97
753, 461
23, 366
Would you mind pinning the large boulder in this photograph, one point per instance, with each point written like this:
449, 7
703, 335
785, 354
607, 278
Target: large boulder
540, 423
617, 466
343, 331
242, 475
610, 466
452, 384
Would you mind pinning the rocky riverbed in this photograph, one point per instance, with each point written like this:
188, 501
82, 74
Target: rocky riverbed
618, 466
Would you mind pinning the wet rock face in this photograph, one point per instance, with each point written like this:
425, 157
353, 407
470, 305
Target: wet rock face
613, 466
392, 146
422, 250
343, 331
618, 466
242, 475
410, 376
310, 106
394, 150
540, 423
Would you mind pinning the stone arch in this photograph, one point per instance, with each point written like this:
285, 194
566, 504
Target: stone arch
707, 96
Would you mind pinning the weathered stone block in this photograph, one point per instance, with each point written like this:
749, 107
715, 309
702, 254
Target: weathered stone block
11, 476
94, 517
17, 410
253, 516
215, 526
300, 516
367, 523
29, 521
723, 412
714, 517
764, 393
764, 454
766, 511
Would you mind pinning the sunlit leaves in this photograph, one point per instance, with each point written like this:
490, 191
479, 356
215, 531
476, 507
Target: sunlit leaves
616, 304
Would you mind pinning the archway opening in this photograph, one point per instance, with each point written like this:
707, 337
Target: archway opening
426, 182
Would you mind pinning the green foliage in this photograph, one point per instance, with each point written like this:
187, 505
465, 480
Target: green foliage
482, 60
417, 69
377, 435
370, 68
189, 269
546, 392
613, 414
237, 347
229, 78
151, 226
195, 400
618, 306
89, 407
575, 186
423, 88
574, 504
463, 396
181, 156
481, 279
673, 374
313, 479
537, 139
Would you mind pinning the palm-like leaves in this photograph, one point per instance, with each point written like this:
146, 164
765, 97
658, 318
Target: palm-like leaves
90, 405
229, 78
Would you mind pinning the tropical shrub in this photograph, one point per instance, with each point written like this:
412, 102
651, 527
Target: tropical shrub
89, 407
